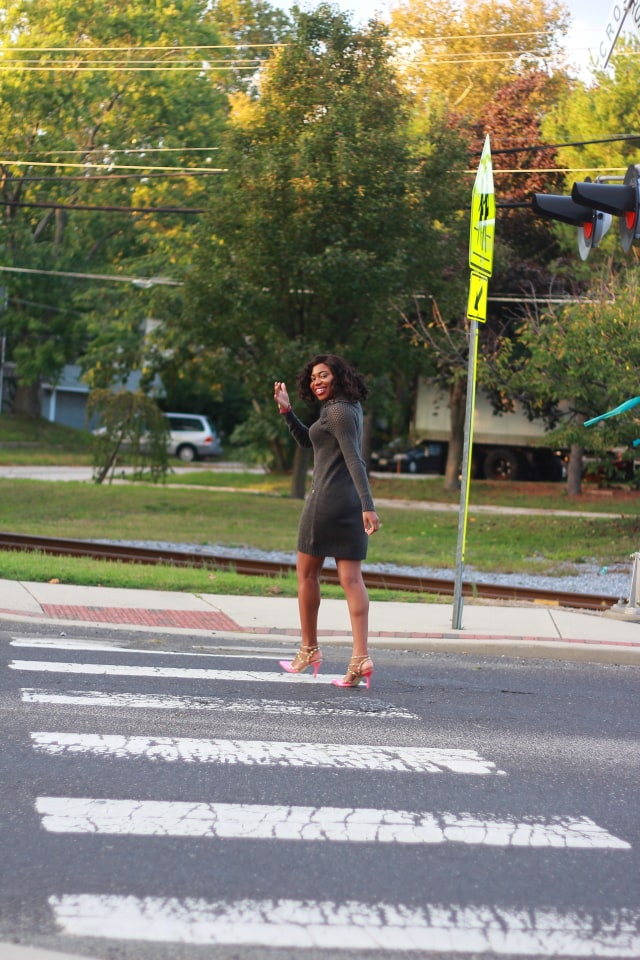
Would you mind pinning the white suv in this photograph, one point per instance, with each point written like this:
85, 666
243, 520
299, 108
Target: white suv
192, 437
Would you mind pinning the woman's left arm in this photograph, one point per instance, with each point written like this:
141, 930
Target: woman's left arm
342, 418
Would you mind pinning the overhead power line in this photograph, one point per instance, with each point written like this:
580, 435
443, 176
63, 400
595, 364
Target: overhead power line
104, 209
491, 57
89, 68
143, 282
113, 150
112, 166
618, 138
613, 171
223, 61
69, 178
479, 36
140, 47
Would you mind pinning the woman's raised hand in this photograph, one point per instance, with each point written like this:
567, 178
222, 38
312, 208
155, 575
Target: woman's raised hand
281, 396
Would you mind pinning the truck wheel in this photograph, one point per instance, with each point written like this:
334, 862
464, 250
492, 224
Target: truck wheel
501, 464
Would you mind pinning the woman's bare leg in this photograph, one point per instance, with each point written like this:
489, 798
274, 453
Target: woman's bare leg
350, 576
308, 572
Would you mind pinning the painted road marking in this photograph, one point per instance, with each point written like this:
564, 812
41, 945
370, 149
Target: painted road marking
69, 643
431, 928
334, 824
195, 649
176, 673
264, 753
315, 708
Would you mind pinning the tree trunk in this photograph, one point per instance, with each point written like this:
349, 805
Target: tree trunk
457, 411
299, 475
574, 470
27, 400
279, 458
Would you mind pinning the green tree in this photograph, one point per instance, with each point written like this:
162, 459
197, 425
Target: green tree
94, 95
577, 363
132, 426
437, 256
303, 245
253, 26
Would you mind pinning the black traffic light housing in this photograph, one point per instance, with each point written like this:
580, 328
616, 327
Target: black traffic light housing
592, 224
619, 200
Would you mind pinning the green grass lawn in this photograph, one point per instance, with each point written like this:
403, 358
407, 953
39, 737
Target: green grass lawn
414, 537
29, 440
39, 568
206, 506
541, 496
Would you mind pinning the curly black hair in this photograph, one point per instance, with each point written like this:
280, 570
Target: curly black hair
347, 382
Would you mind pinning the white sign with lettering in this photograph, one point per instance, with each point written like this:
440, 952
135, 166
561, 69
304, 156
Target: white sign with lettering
613, 27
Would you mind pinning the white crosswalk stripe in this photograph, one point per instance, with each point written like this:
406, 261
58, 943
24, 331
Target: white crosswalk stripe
156, 701
334, 824
261, 752
168, 673
95, 646
351, 925
297, 924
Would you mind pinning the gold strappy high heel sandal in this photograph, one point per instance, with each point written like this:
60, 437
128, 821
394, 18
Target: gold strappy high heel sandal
304, 658
360, 668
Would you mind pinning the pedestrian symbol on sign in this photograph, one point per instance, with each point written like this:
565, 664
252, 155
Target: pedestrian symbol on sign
483, 216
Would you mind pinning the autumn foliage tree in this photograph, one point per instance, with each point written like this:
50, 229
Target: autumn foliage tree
483, 68
462, 53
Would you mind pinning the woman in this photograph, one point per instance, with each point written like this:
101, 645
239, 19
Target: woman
338, 515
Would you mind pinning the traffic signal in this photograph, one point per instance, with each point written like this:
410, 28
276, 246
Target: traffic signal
592, 224
620, 200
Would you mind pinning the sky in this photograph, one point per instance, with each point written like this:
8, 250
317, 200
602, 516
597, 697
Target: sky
588, 21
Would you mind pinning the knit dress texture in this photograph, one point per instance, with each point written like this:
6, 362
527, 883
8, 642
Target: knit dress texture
331, 521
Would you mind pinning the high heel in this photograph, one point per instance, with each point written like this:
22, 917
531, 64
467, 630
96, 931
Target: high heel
305, 657
360, 668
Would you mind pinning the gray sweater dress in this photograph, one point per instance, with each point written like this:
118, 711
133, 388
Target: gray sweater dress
331, 521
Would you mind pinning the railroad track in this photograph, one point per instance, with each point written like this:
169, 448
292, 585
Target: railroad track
413, 584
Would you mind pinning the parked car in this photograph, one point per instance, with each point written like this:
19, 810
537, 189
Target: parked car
417, 458
193, 437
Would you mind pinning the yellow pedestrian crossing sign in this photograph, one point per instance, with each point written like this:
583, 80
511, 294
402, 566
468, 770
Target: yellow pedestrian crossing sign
483, 216
483, 225
477, 303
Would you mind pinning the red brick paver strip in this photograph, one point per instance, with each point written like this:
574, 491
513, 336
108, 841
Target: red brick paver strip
189, 619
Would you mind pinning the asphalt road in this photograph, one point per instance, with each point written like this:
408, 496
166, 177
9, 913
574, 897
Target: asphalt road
163, 798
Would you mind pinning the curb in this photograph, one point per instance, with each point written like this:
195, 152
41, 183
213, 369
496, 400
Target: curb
531, 647
15, 951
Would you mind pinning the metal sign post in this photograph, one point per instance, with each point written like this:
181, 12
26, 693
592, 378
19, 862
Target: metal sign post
481, 238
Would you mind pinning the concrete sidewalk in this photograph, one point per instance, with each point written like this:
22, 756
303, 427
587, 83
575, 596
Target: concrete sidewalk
524, 629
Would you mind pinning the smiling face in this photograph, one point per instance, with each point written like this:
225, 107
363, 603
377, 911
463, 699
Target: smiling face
321, 381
